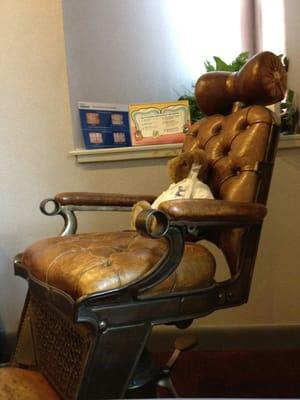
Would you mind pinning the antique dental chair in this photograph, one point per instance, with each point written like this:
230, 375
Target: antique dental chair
94, 298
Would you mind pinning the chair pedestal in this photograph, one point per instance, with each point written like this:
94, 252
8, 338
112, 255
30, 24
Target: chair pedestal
144, 382
114, 361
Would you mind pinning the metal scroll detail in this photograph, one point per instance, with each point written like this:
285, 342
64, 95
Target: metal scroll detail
156, 224
68, 213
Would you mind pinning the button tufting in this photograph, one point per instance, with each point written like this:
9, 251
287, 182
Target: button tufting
226, 150
107, 263
102, 269
244, 126
217, 130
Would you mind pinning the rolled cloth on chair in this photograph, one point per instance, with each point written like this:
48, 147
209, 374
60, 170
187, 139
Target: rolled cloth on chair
262, 80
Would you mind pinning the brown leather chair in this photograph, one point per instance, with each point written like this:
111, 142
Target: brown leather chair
94, 298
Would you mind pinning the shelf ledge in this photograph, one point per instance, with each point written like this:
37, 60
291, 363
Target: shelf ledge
289, 141
126, 153
157, 151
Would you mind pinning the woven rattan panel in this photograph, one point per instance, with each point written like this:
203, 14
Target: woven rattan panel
61, 348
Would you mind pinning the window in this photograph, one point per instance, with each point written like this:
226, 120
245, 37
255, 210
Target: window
204, 29
270, 27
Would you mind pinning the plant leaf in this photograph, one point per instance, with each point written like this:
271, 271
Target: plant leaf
220, 64
208, 66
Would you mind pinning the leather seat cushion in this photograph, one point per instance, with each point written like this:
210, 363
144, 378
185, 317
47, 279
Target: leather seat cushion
21, 384
88, 263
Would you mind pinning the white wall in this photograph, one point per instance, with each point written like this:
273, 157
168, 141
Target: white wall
133, 51
120, 52
36, 135
275, 296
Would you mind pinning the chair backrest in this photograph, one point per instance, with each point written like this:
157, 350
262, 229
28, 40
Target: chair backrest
235, 145
241, 145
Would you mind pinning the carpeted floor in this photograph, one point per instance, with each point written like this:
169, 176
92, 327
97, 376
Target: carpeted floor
274, 373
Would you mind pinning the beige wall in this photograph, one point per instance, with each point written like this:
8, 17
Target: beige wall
275, 295
36, 137
292, 16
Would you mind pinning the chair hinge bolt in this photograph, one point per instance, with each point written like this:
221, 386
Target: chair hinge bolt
102, 325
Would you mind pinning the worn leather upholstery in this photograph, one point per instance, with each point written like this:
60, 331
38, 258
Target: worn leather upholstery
214, 210
235, 145
100, 199
22, 384
83, 264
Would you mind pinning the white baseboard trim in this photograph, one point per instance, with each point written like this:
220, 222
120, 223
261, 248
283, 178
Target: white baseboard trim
269, 337
260, 337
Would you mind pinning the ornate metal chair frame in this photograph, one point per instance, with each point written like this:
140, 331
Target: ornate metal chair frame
127, 313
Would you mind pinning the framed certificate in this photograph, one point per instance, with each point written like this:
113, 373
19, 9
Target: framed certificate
159, 123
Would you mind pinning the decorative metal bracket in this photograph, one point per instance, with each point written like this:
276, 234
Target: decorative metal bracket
68, 213
70, 220
156, 224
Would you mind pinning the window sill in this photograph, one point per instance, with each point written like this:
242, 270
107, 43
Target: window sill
289, 141
126, 153
157, 151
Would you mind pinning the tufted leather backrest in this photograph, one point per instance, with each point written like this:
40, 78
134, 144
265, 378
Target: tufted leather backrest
240, 145
234, 145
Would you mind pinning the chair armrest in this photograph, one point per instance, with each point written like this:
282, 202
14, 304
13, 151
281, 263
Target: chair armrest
176, 220
67, 203
100, 199
214, 212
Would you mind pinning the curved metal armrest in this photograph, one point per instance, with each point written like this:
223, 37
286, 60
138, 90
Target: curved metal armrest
65, 204
218, 213
177, 220
161, 228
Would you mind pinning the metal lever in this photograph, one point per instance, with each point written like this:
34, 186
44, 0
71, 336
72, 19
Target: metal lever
181, 344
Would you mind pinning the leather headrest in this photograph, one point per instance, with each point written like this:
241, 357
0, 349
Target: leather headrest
262, 81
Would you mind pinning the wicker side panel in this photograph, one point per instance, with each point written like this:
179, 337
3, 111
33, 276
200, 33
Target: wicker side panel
24, 353
61, 347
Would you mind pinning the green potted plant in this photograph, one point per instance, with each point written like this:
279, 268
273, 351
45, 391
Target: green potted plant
221, 65
289, 114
